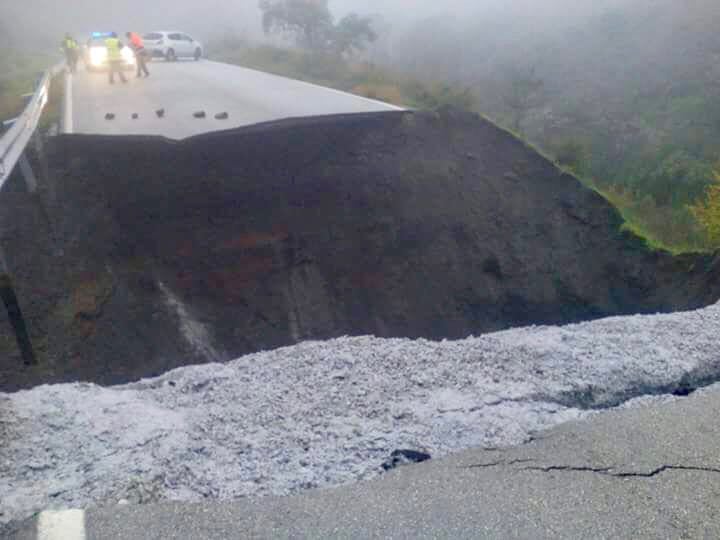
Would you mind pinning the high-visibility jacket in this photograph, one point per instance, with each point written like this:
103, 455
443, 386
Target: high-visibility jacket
114, 48
136, 41
70, 44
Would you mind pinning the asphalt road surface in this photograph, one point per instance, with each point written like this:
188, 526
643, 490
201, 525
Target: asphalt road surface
646, 472
186, 87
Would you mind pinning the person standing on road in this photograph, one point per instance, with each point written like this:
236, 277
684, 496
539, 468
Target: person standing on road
138, 47
115, 59
70, 48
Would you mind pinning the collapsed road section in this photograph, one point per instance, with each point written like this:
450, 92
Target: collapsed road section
137, 255
322, 414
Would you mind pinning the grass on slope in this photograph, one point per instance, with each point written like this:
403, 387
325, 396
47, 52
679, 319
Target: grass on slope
19, 72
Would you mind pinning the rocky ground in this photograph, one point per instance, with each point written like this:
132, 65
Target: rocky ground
328, 413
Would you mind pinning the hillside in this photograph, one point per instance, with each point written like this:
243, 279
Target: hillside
626, 95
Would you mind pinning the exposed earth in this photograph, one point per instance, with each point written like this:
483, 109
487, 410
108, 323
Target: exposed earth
140, 255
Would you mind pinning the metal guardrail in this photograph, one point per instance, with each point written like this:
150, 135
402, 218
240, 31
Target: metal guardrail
14, 141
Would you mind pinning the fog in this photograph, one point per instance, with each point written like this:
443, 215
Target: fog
28, 23
43, 21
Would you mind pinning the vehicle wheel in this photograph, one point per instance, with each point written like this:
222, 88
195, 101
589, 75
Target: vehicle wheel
170, 55
198, 54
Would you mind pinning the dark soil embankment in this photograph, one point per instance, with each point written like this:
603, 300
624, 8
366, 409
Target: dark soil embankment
142, 254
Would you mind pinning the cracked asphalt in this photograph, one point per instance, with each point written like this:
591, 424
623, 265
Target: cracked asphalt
651, 471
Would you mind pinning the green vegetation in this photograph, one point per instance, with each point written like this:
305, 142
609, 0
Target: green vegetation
658, 194
707, 211
652, 157
663, 227
625, 96
312, 26
658, 198
18, 74
654, 191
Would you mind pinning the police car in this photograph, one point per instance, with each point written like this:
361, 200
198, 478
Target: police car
95, 54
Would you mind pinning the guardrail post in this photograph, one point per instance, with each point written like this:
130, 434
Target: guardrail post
7, 293
27, 172
42, 159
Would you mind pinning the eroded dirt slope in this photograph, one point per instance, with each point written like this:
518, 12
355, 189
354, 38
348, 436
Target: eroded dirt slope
141, 254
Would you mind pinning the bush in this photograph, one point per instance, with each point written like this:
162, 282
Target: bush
440, 95
18, 74
707, 211
676, 180
673, 229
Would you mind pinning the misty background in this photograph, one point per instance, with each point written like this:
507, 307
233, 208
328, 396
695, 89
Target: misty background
624, 93
43, 21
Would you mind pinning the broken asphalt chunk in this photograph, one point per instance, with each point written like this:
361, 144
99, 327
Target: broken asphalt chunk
222, 116
160, 113
404, 457
200, 114
109, 116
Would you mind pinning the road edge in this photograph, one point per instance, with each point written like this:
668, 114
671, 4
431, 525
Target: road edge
67, 126
333, 90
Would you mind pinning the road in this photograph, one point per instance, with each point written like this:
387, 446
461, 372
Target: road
646, 472
186, 87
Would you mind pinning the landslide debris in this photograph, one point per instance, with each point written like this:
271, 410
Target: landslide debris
141, 254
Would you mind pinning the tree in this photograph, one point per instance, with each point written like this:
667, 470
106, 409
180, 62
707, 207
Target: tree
311, 25
707, 211
352, 33
309, 22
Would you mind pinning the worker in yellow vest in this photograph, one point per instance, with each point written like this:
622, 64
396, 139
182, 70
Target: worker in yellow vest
70, 48
115, 59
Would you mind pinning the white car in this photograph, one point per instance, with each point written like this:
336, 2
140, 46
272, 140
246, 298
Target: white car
172, 45
95, 54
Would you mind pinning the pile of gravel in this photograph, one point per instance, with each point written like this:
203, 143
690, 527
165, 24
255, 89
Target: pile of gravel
328, 413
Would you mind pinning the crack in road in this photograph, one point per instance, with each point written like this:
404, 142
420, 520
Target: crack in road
496, 464
606, 471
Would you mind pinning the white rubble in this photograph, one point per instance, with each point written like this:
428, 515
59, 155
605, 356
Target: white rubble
327, 413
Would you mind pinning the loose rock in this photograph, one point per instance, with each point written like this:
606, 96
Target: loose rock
404, 457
